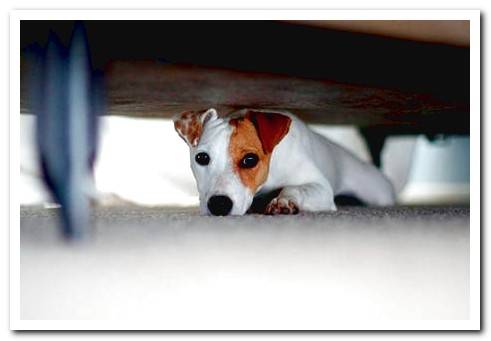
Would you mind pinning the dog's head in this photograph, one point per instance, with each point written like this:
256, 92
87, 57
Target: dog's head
230, 156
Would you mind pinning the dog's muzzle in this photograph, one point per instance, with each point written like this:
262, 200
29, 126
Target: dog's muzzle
220, 205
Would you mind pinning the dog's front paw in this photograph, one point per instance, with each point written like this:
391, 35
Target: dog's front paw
282, 206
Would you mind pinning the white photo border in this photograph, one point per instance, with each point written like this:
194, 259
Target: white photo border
16, 323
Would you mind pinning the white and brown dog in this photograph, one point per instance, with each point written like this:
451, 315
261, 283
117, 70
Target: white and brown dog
251, 152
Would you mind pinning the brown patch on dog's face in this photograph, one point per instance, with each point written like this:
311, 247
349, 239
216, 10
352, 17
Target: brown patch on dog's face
245, 140
271, 127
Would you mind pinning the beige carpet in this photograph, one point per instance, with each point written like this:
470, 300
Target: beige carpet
184, 271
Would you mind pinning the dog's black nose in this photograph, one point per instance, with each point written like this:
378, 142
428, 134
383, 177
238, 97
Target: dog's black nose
220, 205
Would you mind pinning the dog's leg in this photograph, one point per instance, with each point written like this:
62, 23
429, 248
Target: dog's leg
309, 197
367, 183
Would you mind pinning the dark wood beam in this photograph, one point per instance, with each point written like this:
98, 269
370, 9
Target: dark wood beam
323, 75
154, 89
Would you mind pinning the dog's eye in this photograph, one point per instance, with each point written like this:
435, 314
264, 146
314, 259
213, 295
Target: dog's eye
202, 158
250, 160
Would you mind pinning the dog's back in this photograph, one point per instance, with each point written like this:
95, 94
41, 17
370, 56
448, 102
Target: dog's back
346, 173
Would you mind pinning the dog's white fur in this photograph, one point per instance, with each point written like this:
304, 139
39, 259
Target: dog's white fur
308, 167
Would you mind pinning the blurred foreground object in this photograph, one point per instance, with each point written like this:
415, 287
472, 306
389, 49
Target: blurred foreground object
66, 97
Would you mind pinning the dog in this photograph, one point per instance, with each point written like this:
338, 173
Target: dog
252, 152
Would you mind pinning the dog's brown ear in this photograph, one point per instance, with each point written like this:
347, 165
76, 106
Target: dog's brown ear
271, 127
189, 125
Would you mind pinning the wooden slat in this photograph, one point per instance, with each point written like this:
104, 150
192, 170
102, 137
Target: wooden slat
276, 47
452, 32
323, 75
151, 89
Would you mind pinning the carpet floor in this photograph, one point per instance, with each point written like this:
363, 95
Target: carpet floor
179, 270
